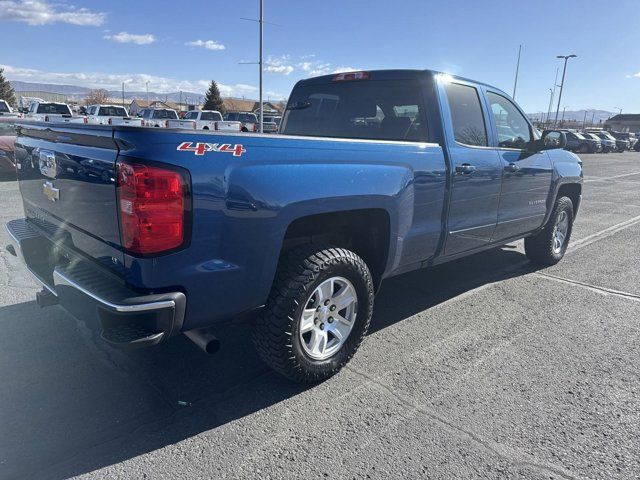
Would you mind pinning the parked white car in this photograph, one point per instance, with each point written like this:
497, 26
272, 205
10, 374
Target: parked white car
157, 117
53, 112
205, 120
111, 115
6, 111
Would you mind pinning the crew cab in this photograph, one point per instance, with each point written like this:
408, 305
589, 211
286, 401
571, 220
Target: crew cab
248, 120
111, 115
608, 141
157, 117
205, 120
53, 112
375, 174
6, 111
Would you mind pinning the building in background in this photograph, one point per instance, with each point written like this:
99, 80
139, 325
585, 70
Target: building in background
46, 96
624, 122
136, 105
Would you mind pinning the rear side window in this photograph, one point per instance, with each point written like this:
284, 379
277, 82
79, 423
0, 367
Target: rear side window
367, 109
3, 106
54, 109
466, 115
513, 129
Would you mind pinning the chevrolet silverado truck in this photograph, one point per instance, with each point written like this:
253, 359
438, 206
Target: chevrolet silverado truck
205, 120
111, 115
52, 112
375, 174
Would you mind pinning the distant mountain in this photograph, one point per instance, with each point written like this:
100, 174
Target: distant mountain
598, 116
75, 92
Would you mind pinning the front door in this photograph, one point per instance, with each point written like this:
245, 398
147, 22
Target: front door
526, 177
476, 168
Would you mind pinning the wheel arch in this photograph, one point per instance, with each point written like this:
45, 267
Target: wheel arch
366, 232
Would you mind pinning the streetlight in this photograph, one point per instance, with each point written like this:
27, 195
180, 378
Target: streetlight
147, 82
618, 108
564, 71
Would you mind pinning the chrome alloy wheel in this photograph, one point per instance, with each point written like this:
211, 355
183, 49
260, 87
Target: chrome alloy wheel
560, 235
328, 318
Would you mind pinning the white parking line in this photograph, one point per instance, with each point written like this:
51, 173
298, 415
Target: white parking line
602, 179
590, 286
607, 232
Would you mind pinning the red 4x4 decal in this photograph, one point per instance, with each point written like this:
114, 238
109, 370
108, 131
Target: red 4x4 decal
201, 148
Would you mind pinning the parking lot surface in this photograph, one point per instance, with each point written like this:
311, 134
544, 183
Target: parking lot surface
487, 367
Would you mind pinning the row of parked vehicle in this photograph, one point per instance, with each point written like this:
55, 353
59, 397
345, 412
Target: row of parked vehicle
148, 117
600, 141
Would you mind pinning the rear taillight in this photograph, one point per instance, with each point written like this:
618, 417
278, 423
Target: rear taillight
255, 127
109, 121
46, 118
194, 125
85, 120
152, 206
215, 126
166, 123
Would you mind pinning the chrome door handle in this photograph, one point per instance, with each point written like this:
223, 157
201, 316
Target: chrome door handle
465, 168
512, 168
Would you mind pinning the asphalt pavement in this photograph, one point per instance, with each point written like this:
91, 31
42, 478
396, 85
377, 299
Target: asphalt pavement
487, 367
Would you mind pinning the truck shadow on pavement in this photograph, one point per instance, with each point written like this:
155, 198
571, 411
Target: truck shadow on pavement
70, 405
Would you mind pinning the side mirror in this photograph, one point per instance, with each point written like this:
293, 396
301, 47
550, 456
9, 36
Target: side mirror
553, 139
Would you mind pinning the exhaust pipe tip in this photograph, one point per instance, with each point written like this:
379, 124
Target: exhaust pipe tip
207, 342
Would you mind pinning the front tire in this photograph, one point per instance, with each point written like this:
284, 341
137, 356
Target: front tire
317, 314
549, 246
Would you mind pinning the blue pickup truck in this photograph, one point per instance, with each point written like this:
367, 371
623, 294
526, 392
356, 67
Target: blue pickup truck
147, 234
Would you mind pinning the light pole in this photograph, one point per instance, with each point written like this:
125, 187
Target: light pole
515, 83
123, 94
618, 108
550, 105
564, 71
147, 94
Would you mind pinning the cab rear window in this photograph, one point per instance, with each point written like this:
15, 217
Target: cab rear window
367, 109
112, 112
53, 108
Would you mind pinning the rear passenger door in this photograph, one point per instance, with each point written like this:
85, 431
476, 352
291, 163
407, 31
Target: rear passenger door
526, 176
476, 167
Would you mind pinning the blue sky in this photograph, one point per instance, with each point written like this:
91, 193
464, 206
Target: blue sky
181, 45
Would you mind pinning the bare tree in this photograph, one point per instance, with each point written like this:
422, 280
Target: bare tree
96, 97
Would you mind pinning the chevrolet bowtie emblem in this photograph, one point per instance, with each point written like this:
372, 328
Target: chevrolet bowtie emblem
50, 191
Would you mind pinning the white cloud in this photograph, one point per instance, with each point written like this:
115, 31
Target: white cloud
124, 37
41, 12
315, 68
278, 65
133, 81
208, 44
637, 75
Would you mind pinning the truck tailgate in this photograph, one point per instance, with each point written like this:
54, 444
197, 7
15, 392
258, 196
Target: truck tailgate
67, 181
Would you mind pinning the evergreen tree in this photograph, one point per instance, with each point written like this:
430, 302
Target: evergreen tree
6, 91
213, 100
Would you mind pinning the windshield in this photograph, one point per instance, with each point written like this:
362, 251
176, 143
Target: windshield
580, 137
112, 112
167, 114
381, 110
54, 109
4, 107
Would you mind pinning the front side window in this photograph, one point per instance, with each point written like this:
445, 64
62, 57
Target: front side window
513, 129
191, 115
466, 115
4, 107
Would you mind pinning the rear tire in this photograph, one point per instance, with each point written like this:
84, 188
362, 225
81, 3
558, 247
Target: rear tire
549, 246
312, 284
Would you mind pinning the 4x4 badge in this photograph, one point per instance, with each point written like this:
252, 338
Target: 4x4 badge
202, 148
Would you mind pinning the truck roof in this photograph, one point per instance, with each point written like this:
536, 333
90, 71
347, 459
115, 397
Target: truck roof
394, 74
